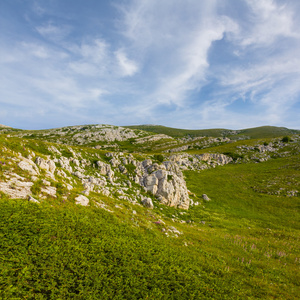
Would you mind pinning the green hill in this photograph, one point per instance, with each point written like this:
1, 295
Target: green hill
268, 132
243, 243
175, 132
258, 132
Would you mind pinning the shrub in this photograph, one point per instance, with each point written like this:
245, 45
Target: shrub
286, 139
233, 155
158, 157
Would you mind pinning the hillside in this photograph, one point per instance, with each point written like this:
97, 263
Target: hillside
108, 212
258, 132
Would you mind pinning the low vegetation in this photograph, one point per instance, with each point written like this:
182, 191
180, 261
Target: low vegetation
243, 243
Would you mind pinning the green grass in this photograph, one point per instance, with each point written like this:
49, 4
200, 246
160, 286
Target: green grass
84, 253
267, 132
176, 132
243, 244
254, 133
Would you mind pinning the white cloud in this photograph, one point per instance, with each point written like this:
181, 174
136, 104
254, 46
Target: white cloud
53, 32
177, 38
90, 58
267, 22
128, 67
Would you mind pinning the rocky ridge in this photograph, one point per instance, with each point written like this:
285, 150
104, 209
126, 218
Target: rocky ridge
72, 174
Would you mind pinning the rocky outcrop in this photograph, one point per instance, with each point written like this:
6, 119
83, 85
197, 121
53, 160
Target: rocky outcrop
16, 186
29, 166
153, 138
65, 164
147, 202
215, 158
165, 182
47, 165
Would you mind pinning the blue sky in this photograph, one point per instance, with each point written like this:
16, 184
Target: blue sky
181, 63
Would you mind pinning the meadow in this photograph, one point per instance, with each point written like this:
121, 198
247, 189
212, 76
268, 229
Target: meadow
243, 244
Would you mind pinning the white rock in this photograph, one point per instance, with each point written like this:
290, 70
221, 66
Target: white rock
147, 202
205, 197
31, 199
28, 165
82, 200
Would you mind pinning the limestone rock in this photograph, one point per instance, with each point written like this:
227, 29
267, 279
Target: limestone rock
220, 159
82, 200
29, 166
103, 167
49, 190
205, 197
31, 199
122, 169
147, 202
78, 174
64, 163
47, 165
16, 187
166, 183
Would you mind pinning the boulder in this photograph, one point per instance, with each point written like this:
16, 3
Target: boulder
31, 199
147, 202
205, 197
168, 186
39, 161
29, 166
104, 168
15, 188
82, 200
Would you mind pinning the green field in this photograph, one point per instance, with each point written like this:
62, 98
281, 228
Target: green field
242, 244
253, 133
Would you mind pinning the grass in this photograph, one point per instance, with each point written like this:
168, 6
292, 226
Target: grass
243, 244
84, 253
258, 132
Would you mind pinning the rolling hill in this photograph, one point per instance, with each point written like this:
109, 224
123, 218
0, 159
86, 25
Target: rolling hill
149, 212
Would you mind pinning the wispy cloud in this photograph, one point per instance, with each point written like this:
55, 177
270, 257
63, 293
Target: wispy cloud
211, 63
127, 67
53, 32
269, 21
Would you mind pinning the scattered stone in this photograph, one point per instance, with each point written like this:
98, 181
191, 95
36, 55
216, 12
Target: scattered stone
49, 190
147, 202
82, 200
29, 166
15, 188
31, 199
205, 197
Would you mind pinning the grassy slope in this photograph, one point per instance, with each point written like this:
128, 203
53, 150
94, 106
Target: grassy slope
258, 132
175, 132
244, 244
267, 132
247, 248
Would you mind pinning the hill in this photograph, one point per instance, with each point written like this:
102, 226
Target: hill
258, 132
107, 212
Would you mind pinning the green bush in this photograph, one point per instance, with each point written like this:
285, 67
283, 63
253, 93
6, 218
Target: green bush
234, 156
286, 139
158, 157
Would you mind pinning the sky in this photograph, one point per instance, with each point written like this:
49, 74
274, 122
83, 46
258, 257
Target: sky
181, 63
